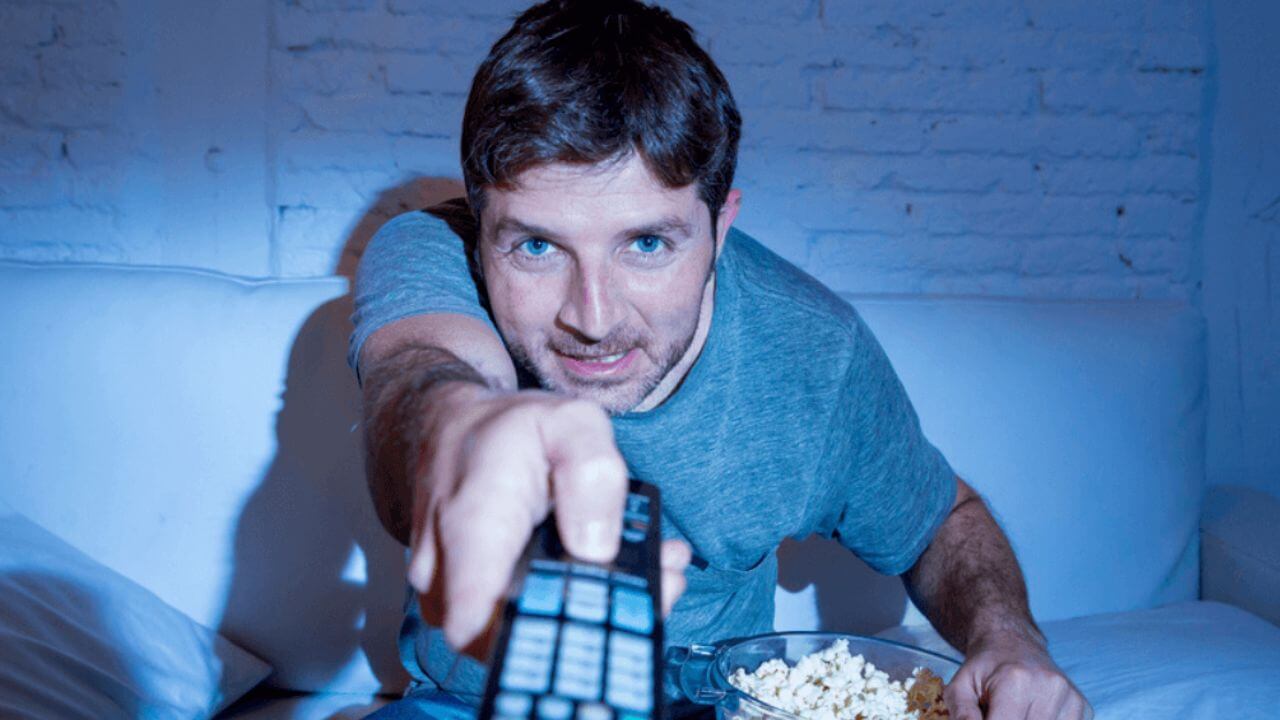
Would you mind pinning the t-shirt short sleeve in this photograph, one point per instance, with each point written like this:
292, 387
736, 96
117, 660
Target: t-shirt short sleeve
890, 487
415, 264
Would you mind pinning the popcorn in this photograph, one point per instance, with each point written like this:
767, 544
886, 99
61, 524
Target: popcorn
832, 684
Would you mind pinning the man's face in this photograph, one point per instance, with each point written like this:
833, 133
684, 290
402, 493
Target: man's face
599, 278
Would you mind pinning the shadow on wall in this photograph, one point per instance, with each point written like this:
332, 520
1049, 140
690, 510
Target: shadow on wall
848, 596
300, 581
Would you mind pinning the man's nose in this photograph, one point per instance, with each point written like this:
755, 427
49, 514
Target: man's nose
591, 308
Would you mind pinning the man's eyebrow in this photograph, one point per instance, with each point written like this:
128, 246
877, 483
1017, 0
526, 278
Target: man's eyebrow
511, 225
669, 225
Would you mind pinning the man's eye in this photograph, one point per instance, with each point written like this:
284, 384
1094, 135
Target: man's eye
535, 247
647, 244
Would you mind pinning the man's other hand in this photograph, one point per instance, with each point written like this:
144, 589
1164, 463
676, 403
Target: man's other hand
499, 462
1013, 678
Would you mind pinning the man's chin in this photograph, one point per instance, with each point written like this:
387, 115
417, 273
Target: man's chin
615, 397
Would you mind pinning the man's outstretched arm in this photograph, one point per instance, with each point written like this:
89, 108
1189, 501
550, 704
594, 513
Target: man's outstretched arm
968, 583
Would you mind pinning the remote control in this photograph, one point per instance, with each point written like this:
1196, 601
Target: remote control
582, 640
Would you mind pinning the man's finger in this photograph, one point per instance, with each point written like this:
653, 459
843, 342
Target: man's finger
422, 556
675, 557
588, 479
961, 697
1006, 704
485, 528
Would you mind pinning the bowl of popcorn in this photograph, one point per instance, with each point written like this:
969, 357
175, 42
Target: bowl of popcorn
814, 675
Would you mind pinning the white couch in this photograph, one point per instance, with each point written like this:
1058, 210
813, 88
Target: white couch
195, 435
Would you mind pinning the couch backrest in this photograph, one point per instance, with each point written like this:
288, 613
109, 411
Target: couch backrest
195, 432
1083, 425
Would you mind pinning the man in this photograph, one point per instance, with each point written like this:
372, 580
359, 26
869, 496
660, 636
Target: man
588, 314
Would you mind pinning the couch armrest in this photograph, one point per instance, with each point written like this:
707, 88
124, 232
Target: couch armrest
1240, 550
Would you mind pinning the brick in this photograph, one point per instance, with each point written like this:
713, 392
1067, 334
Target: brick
835, 131
27, 25
849, 209
1177, 52
427, 115
706, 13
782, 86
1056, 255
327, 72
1004, 215
25, 150
330, 188
923, 13
68, 109
314, 149
1084, 14
96, 66
1123, 92
950, 90
1190, 15
433, 73
809, 44
90, 23
433, 157
1169, 135
984, 49
960, 173
506, 9
1088, 136
1158, 215
1173, 174
88, 149
1164, 257
61, 233
463, 36
335, 5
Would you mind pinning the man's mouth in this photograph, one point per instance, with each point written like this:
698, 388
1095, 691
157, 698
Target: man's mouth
596, 366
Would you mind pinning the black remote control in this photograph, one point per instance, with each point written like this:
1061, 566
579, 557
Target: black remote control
582, 640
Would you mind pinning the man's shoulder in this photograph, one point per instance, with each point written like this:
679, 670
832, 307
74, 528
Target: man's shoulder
774, 288
449, 221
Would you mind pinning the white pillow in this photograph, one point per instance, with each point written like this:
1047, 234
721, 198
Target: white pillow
78, 640
1191, 661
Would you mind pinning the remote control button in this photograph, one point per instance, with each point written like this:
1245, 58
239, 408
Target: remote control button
633, 716
638, 504
625, 645
551, 707
576, 688
632, 580
515, 704
625, 698
621, 664
590, 571
514, 679
550, 566
594, 711
542, 594
584, 636
588, 600
536, 630
632, 535
632, 610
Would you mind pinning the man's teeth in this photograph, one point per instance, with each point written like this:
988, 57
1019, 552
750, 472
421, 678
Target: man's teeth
607, 359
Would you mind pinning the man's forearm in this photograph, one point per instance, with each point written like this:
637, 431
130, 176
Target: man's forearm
968, 582
400, 394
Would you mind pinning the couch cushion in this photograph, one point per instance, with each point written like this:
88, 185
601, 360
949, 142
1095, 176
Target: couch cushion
194, 432
1191, 661
78, 640
1082, 423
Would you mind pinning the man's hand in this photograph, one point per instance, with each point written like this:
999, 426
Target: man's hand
1013, 678
969, 585
493, 464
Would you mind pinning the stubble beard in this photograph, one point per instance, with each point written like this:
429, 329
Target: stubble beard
615, 395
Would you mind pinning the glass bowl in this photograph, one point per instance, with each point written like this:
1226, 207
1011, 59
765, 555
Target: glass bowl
703, 671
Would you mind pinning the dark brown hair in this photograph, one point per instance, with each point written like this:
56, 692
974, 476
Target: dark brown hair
591, 81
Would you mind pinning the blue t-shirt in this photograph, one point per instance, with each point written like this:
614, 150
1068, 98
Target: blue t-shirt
791, 422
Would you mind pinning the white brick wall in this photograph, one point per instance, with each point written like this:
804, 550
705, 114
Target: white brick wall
1016, 147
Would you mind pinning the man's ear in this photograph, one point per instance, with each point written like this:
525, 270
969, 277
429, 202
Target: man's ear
728, 212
